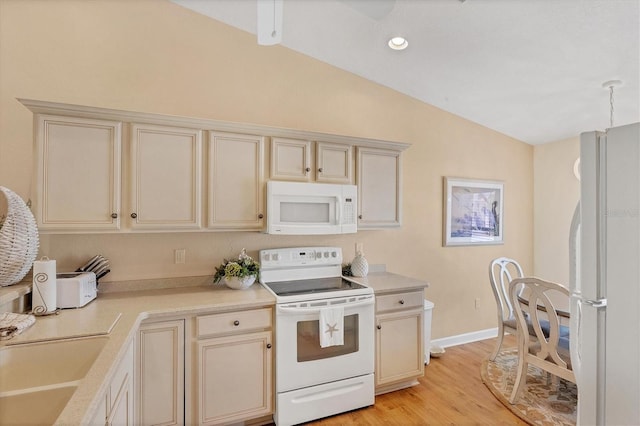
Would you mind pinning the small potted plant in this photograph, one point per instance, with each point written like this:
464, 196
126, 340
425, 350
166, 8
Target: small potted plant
237, 274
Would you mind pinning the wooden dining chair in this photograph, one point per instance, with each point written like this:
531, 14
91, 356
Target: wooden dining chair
549, 349
501, 271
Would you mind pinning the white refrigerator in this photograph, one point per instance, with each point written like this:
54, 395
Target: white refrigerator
605, 278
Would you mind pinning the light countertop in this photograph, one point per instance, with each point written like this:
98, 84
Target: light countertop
119, 314
388, 282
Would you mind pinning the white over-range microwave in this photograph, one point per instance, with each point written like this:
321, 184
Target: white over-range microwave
300, 208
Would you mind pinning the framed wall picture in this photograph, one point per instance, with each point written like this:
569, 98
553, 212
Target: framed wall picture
473, 212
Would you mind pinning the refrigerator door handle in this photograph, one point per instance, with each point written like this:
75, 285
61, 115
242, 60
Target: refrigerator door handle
598, 303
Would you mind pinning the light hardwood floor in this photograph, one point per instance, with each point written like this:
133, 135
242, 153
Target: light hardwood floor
450, 393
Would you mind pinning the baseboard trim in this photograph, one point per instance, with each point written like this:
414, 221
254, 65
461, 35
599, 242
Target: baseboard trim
461, 339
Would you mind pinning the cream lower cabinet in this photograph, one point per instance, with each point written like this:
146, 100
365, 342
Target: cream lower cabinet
234, 366
399, 340
379, 180
117, 405
160, 373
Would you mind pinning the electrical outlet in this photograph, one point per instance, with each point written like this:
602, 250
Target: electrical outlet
477, 303
179, 256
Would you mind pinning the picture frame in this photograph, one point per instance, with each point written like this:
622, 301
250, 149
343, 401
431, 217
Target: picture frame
473, 212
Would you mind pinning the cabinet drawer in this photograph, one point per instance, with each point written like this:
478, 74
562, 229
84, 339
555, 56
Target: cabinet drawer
232, 322
405, 300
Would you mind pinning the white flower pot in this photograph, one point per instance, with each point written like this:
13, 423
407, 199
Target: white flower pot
239, 283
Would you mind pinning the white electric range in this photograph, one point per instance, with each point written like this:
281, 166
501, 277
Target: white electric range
313, 381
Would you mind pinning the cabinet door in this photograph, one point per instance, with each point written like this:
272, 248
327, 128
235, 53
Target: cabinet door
236, 181
120, 393
291, 159
160, 378
166, 165
334, 163
235, 378
122, 412
77, 174
399, 347
379, 188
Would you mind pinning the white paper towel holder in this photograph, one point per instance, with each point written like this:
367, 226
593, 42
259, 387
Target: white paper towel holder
41, 310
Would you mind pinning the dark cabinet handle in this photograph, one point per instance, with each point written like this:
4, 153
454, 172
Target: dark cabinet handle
260, 216
268, 345
114, 215
307, 170
379, 327
320, 170
359, 216
134, 215
236, 323
401, 302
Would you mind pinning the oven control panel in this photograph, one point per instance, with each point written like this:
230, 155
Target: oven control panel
286, 257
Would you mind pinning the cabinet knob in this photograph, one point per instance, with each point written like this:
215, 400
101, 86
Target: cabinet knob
320, 170
307, 170
379, 327
134, 215
260, 216
236, 323
401, 302
268, 345
114, 215
359, 216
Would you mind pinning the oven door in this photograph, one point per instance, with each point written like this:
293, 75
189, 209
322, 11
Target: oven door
302, 362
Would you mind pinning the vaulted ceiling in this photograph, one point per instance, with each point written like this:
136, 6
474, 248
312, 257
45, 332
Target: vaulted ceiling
531, 69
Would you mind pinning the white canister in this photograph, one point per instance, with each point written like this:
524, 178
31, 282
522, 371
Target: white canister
44, 291
359, 265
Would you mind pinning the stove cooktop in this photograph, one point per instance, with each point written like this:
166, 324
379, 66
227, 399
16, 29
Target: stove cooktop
313, 286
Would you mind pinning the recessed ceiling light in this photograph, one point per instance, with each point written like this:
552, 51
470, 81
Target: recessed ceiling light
398, 43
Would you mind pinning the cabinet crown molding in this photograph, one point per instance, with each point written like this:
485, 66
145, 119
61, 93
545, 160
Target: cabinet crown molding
71, 110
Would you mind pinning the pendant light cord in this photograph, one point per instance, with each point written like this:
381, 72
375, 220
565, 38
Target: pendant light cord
611, 106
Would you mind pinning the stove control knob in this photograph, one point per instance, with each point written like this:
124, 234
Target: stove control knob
275, 256
326, 254
265, 257
334, 254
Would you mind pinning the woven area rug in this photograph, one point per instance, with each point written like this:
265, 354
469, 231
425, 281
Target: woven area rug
539, 403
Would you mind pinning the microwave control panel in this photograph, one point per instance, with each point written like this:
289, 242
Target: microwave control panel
349, 211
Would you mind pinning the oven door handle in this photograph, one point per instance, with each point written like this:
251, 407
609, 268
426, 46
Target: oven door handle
317, 309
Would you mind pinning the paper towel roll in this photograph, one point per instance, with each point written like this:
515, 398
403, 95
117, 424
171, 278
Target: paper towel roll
44, 290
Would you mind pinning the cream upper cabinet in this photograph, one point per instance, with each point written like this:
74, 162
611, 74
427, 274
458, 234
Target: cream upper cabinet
234, 348
77, 174
291, 159
379, 188
235, 181
160, 380
399, 340
165, 177
334, 163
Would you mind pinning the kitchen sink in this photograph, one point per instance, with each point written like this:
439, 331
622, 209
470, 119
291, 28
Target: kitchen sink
34, 408
38, 379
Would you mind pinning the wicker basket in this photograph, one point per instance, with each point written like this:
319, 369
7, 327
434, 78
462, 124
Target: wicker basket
18, 240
